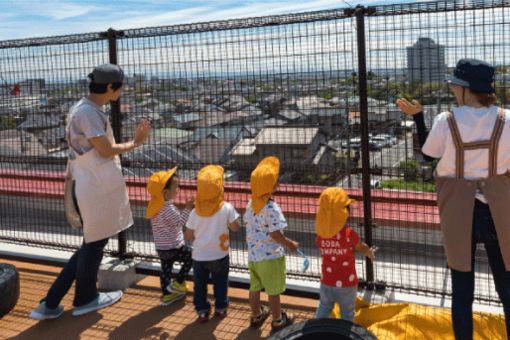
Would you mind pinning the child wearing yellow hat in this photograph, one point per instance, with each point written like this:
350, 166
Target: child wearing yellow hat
167, 229
337, 243
266, 253
208, 226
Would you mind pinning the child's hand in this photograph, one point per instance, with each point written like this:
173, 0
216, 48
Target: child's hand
190, 204
293, 246
371, 252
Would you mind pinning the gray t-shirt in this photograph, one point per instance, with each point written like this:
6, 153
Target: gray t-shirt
88, 120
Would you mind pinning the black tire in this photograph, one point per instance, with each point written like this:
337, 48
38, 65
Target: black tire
322, 329
9, 288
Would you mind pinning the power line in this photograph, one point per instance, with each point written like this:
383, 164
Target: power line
347, 3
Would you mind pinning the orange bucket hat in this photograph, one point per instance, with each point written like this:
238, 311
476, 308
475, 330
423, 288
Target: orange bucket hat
333, 212
209, 190
263, 180
155, 187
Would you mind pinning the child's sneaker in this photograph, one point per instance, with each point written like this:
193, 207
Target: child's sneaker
221, 313
285, 320
177, 287
168, 299
257, 321
203, 316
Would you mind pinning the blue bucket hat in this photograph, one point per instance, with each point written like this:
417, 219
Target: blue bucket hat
477, 75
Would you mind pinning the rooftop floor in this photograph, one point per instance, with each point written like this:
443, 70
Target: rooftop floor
137, 316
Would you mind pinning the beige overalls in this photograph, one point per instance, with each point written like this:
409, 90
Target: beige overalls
456, 199
101, 193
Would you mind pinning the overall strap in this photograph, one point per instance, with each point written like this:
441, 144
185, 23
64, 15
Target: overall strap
494, 142
491, 144
459, 147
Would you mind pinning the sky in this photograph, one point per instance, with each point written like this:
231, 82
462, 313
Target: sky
306, 47
37, 18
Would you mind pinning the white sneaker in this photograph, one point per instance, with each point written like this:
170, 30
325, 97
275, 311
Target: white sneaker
44, 313
103, 300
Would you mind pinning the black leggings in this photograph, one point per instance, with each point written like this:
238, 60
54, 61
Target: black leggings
463, 283
168, 257
81, 268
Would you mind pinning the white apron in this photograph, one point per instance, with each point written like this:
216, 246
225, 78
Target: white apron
101, 193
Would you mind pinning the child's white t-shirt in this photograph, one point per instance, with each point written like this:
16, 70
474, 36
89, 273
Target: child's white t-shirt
211, 233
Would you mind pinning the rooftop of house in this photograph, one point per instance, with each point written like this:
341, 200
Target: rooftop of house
244, 147
212, 150
286, 135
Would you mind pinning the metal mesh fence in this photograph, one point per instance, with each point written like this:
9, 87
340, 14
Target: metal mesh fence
408, 55
232, 92
40, 80
232, 97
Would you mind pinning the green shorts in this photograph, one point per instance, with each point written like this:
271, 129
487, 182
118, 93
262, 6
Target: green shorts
268, 275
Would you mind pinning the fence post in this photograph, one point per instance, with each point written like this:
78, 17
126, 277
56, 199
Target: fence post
112, 35
360, 12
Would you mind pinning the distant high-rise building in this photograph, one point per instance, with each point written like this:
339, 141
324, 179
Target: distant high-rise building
426, 61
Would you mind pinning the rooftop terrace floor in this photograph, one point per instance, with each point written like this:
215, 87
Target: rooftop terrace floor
137, 316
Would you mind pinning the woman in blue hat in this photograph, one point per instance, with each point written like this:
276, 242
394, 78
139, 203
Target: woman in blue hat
472, 143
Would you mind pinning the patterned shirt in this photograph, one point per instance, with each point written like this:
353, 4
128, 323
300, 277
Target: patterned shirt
167, 227
338, 258
261, 245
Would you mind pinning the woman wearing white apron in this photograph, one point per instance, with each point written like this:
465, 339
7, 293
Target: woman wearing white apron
100, 193
472, 144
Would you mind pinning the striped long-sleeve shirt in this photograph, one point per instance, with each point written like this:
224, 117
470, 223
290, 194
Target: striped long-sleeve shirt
167, 227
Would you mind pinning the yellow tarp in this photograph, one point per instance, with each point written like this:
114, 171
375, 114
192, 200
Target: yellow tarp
401, 321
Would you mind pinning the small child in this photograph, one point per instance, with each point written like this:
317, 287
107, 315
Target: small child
266, 254
337, 243
208, 226
167, 229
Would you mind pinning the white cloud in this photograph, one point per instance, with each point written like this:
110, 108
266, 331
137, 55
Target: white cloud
215, 10
145, 19
52, 9
65, 10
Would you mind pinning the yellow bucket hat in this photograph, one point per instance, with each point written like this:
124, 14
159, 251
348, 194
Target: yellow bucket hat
333, 212
209, 190
263, 180
155, 187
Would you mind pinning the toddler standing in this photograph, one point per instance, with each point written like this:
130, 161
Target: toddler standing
208, 226
266, 245
167, 229
337, 243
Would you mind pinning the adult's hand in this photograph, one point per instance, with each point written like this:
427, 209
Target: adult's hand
409, 108
108, 149
142, 132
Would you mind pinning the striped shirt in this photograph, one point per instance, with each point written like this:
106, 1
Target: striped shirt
167, 227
